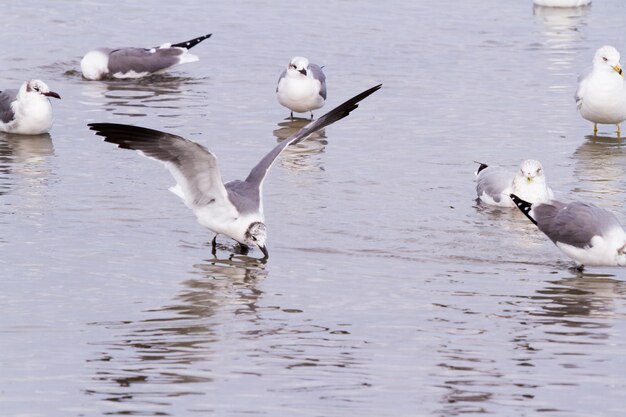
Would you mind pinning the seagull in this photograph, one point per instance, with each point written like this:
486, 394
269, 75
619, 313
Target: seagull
601, 94
562, 3
27, 111
233, 209
588, 234
105, 63
302, 86
494, 184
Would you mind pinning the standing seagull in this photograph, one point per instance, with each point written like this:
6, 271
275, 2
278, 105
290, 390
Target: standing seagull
104, 63
586, 233
302, 86
27, 111
234, 209
601, 94
494, 184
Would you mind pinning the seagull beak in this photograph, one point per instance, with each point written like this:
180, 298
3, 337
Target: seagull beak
302, 71
52, 94
617, 69
529, 179
264, 250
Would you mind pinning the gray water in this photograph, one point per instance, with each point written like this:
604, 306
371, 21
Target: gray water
389, 290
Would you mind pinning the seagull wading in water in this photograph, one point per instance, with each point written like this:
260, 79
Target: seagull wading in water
105, 63
601, 93
234, 209
27, 111
495, 184
301, 86
586, 233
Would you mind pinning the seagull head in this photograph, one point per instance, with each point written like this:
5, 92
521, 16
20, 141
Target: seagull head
532, 171
39, 87
256, 234
608, 58
298, 64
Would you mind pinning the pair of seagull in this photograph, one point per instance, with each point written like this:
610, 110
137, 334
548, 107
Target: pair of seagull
586, 233
28, 111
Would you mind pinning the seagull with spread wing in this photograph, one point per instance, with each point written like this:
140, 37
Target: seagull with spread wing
233, 209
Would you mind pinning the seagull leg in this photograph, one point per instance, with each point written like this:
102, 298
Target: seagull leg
214, 246
291, 116
595, 129
618, 131
311, 115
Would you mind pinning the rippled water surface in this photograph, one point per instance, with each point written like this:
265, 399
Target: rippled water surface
389, 290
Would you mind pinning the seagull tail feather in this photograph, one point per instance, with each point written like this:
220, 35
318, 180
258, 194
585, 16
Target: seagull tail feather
191, 43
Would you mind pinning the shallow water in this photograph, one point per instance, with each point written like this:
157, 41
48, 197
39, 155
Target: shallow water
389, 290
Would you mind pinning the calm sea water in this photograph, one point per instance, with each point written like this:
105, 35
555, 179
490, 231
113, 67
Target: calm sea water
389, 290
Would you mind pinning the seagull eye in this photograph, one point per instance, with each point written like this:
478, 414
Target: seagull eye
254, 238
604, 59
36, 88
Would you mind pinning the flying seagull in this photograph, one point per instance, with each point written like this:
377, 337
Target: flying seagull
601, 93
494, 184
588, 234
234, 209
301, 86
27, 111
105, 63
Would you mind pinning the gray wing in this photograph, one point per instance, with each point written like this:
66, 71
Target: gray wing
574, 224
582, 85
257, 175
318, 74
494, 181
6, 98
143, 60
282, 75
193, 166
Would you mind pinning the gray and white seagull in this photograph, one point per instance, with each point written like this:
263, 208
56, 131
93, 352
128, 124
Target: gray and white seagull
235, 208
301, 86
103, 63
586, 233
27, 110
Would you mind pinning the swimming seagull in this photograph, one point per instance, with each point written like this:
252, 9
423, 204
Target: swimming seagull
27, 111
586, 233
301, 86
104, 63
234, 209
601, 93
494, 184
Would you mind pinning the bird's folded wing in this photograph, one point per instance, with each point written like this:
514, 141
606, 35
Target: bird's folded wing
142, 60
6, 111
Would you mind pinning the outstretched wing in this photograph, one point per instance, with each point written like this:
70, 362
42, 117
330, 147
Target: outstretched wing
257, 175
195, 168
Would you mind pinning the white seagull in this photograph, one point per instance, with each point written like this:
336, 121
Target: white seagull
495, 184
234, 209
586, 233
27, 111
601, 94
302, 86
103, 63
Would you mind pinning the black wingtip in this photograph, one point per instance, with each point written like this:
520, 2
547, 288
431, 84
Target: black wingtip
524, 207
481, 167
191, 43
